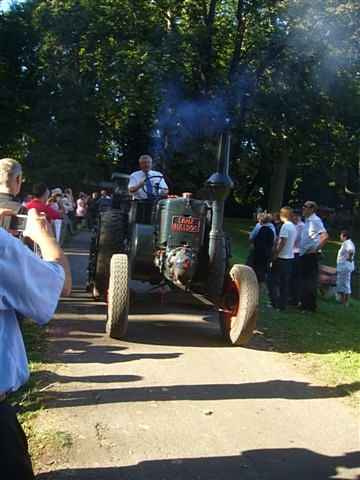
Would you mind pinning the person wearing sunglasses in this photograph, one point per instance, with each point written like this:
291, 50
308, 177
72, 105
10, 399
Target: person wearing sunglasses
313, 238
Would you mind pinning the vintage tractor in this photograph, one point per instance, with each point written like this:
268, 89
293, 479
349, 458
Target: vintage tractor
178, 241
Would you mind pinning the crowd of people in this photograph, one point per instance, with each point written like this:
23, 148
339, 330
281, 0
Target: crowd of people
285, 252
58, 204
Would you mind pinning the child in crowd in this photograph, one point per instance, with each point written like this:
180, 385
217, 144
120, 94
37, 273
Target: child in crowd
262, 238
344, 267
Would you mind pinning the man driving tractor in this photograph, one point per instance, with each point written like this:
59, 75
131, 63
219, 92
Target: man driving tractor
146, 184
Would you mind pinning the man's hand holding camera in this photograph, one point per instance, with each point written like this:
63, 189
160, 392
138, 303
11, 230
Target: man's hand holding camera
39, 231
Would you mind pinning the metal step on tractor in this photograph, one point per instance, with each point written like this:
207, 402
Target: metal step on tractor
178, 241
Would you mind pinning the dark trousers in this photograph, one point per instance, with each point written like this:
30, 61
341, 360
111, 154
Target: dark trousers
295, 282
15, 463
280, 282
309, 270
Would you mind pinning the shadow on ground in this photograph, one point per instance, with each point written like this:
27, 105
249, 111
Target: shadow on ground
70, 350
82, 317
267, 464
282, 389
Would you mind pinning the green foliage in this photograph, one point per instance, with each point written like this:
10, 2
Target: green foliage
83, 85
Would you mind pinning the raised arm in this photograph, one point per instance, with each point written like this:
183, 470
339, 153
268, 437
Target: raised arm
40, 232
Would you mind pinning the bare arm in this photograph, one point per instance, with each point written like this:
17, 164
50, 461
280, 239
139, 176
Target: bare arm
280, 245
137, 187
323, 239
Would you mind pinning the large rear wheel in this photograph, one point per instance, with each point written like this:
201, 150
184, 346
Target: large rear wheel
241, 300
110, 241
118, 297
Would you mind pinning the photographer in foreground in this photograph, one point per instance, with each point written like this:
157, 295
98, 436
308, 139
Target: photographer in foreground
30, 286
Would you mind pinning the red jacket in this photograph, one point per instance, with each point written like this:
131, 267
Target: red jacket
41, 207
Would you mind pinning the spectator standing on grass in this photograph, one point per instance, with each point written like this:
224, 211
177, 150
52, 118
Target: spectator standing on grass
261, 222
345, 265
30, 286
283, 261
262, 247
39, 203
295, 283
277, 223
313, 238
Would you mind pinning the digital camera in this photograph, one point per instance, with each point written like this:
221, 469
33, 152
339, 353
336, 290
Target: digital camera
18, 223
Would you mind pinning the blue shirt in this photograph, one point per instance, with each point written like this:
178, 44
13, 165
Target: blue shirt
257, 227
32, 287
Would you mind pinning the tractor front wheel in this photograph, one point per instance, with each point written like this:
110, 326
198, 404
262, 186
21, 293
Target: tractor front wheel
118, 297
241, 300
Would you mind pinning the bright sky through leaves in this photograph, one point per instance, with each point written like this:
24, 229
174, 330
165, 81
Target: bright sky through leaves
5, 4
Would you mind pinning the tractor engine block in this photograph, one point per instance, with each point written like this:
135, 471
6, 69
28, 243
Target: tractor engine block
180, 237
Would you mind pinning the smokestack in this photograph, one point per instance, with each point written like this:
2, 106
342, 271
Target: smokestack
220, 184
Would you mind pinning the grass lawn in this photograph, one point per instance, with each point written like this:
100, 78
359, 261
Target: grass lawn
328, 341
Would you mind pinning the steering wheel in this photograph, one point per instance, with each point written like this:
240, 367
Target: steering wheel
156, 187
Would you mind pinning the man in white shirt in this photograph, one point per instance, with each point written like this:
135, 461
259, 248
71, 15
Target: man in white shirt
345, 265
295, 283
146, 183
283, 261
313, 238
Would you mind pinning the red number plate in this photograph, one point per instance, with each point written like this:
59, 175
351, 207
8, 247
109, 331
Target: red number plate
184, 224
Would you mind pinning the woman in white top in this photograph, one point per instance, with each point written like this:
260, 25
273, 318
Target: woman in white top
344, 267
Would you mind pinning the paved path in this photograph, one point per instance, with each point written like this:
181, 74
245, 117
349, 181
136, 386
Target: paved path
172, 402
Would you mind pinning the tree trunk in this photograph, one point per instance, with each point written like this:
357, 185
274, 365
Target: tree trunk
278, 182
208, 51
239, 38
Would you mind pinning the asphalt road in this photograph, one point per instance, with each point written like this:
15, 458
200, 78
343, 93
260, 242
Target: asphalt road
173, 402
